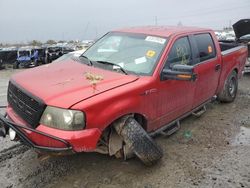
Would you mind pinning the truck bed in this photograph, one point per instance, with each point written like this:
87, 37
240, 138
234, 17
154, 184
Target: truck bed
226, 45
233, 58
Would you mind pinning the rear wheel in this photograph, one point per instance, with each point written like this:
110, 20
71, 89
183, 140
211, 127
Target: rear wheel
230, 89
139, 141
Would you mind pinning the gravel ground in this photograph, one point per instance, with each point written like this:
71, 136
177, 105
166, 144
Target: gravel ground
215, 155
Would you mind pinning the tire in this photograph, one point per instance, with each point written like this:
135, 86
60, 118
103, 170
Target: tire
230, 89
15, 65
140, 142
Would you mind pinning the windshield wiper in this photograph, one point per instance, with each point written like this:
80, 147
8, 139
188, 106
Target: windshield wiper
85, 57
113, 64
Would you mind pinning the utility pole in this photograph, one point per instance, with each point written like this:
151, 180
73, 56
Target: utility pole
96, 33
156, 20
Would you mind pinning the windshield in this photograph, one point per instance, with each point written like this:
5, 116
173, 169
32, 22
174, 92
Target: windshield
53, 49
135, 53
24, 53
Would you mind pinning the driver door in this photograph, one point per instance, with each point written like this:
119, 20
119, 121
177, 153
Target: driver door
175, 97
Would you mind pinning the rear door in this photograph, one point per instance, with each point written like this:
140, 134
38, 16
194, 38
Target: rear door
207, 67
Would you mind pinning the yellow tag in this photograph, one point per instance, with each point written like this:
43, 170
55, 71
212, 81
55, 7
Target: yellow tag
150, 53
209, 49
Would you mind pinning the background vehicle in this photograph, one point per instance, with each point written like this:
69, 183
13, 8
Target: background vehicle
54, 52
8, 55
26, 57
131, 84
41, 54
242, 32
70, 55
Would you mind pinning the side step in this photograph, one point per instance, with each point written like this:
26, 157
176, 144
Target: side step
200, 111
171, 129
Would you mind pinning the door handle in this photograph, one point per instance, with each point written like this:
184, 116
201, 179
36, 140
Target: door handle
217, 67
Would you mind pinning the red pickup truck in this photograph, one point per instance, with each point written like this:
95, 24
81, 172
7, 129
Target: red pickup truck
130, 85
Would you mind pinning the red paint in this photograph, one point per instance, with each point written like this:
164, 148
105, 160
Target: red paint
64, 85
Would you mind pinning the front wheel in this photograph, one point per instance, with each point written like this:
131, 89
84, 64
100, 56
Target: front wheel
139, 141
230, 89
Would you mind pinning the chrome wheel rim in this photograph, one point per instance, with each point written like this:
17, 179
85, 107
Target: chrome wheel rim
232, 87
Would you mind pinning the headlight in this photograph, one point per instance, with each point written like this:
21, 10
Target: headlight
64, 119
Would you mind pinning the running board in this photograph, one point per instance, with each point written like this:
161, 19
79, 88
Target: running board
200, 111
160, 130
171, 129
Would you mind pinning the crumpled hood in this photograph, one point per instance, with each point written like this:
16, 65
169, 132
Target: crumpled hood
66, 83
241, 28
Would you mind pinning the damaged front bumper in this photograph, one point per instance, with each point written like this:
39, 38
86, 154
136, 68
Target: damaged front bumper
46, 139
6, 125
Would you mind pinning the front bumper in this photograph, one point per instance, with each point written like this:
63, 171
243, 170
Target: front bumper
48, 139
6, 124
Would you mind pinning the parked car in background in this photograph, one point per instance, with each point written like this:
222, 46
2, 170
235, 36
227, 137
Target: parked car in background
70, 55
8, 55
130, 85
54, 52
26, 57
41, 54
242, 32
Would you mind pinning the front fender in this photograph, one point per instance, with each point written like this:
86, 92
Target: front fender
104, 109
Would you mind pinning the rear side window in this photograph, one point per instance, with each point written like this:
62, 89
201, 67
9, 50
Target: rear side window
180, 53
205, 46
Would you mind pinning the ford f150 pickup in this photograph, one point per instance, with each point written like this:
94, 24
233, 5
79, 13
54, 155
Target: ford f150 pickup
129, 86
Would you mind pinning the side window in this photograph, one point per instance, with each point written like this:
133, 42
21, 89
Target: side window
180, 53
205, 46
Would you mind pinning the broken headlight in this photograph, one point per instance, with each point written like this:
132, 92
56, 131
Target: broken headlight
64, 119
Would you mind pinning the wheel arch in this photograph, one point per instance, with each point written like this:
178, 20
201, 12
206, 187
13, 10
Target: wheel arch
140, 118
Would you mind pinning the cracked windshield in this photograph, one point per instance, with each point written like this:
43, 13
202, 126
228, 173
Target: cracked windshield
134, 53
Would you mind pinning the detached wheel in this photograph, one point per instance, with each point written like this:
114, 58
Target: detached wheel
139, 141
230, 89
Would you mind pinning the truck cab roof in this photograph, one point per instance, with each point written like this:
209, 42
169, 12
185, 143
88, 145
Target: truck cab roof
163, 31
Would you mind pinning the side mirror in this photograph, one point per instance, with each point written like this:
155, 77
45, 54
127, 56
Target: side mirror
179, 72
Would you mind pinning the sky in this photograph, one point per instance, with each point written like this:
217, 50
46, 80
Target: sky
27, 20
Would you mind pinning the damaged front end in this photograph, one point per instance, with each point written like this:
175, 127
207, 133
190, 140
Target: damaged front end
112, 144
18, 132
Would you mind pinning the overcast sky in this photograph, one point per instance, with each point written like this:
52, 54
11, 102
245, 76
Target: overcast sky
25, 20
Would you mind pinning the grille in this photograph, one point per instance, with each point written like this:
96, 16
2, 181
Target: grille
26, 106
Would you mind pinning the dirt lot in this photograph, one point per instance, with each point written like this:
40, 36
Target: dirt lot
215, 154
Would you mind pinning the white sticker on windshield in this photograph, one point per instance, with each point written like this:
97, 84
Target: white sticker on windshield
140, 60
155, 39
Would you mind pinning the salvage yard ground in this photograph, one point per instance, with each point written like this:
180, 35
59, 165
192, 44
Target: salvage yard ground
214, 153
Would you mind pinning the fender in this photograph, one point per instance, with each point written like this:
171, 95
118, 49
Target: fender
101, 113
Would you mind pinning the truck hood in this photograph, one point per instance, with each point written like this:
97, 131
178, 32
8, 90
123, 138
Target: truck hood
241, 28
66, 83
